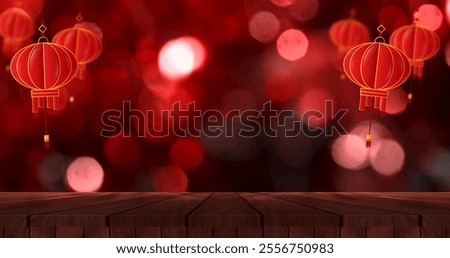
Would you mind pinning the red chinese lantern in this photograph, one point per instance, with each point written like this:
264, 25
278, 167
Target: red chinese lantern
83, 42
418, 43
16, 27
377, 68
44, 68
348, 33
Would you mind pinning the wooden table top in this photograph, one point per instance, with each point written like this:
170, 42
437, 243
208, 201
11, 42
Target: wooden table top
225, 215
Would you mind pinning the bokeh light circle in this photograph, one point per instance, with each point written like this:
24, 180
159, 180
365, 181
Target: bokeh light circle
349, 151
282, 3
85, 174
430, 16
187, 154
292, 44
264, 26
389, 157
169, 179
304, 10
181, 57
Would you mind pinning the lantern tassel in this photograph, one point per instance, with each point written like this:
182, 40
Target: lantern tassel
368, 140
410, 94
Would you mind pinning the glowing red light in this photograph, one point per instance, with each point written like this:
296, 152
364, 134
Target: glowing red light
292, 44
181, 57
281, 86
169, 179
430, 16
123, 152
393, 17
397, 101
315, 101
264, 26
282, 3
304, 10
85, 174
187, 154
389, 159
447, 53
447, 10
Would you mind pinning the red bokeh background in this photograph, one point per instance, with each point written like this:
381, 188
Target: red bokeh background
233, 68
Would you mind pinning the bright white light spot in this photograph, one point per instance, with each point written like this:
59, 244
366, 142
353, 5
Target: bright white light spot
85, 174
264, 26
292, 44
181, 57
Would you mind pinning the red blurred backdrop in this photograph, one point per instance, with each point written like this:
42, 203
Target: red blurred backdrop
241, 70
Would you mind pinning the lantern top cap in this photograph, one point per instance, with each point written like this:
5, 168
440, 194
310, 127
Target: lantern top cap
43, 39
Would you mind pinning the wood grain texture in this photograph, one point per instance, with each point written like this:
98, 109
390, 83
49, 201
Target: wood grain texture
169, 213
224, 210
244, 232
354, 216
16, 232
281, 213
96, 214
430, 214
249, 215
196, 232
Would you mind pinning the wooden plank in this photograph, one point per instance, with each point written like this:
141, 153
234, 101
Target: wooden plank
96, 232
353, 216
174, 232
297, 232
275, 232
281, 213
430, 214
17, 232
96, 215
407, 232
223, 210
17, 214
195, 232
327, 232
122, 232
256, 232
171, 215
380, 232
228, 232
353, 232
42, 232
69, 232
437, 232
148, 232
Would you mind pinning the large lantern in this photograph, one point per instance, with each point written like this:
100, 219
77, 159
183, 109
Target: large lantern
44, 68
16, 27
418, 43
348, 33
83, 42
377, 68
